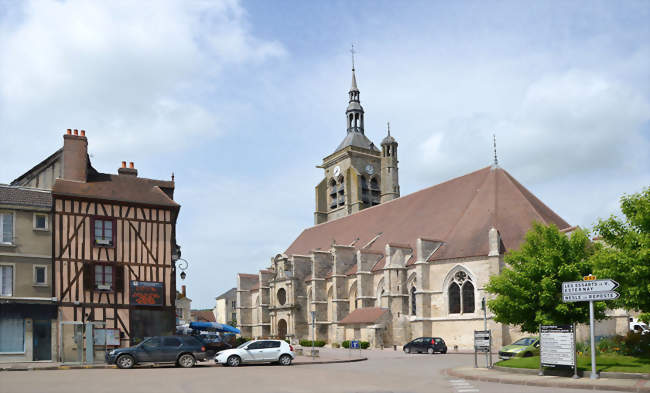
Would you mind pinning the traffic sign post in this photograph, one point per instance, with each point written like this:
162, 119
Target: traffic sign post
590, 290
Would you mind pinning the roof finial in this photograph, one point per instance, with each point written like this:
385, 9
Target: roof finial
172, 176
352, 52
388, 124
494, 141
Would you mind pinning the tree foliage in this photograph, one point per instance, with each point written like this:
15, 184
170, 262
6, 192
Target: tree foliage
529, 290
625, 256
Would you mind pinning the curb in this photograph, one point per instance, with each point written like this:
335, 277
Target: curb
584, 374
330, 361
592, 386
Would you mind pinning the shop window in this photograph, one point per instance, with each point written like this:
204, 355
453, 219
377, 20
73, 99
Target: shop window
6, 280
12, 339
104, 232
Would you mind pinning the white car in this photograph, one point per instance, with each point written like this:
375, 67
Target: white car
257, 351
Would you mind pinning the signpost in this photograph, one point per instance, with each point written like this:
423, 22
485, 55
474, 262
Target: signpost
557, 347
590, 290
313, 332
355, 344
483, 343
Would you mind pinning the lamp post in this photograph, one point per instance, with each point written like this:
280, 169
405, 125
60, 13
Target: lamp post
181, 265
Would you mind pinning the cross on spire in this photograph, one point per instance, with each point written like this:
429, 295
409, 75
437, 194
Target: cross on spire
494, 141
388, 124
352, 52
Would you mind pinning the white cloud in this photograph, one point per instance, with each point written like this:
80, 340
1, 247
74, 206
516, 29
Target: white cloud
135, 75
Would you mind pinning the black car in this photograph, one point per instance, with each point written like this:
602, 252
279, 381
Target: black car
426, 345
213, 344
182, 350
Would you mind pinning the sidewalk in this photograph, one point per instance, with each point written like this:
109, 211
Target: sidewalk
498, 376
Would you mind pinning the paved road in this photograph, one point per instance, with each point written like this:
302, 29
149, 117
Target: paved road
385, 371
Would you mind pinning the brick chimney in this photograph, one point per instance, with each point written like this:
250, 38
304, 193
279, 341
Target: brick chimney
130, 171
75, 155
183, 291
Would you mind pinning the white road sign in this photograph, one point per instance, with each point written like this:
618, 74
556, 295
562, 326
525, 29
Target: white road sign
580, 287
585, 297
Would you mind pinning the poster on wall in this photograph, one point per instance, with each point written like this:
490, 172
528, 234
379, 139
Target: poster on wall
112, 336
146, 293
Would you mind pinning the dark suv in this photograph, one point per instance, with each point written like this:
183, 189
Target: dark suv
182, 350
426, 344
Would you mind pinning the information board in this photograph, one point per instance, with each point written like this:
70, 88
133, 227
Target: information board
146, 293
112, 336
482, 340
557, 345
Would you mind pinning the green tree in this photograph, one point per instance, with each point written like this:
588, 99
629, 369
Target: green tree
529, 289
625, 256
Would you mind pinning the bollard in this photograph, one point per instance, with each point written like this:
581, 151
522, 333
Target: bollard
394, 347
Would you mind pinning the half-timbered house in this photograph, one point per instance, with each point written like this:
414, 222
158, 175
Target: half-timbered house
113, 241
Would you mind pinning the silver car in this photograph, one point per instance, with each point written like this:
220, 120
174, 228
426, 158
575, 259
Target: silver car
257, 351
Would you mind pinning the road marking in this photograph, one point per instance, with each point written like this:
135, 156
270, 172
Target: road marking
467, 390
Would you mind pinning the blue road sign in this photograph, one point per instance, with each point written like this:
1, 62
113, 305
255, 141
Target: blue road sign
354, 344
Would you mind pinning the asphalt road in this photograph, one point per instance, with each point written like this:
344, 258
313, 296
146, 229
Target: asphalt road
384, 371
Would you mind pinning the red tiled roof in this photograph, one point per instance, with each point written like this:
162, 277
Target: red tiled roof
379, 265
459, 212
364, 315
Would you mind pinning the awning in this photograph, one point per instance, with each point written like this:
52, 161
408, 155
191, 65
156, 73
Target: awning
219, 327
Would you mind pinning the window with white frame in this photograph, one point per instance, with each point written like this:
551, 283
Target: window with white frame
40, 222
6, 280
6, 228
40, 275
12, 339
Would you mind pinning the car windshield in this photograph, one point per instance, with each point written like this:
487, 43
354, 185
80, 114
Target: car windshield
525, 341
245, 344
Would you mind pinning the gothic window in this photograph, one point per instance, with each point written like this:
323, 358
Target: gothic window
374, 189
341, 191
413, 309
461, 294
365, 193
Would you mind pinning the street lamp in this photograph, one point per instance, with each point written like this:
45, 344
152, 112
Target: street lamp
181, 265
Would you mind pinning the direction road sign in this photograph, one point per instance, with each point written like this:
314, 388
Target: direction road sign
585, 297
583, 287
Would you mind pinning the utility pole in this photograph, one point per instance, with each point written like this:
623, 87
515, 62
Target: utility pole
484, 306
313, 332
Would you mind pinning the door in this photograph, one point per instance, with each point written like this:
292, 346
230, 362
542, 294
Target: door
271, 351
170, 349
42, 340
255, 351
150, 350
419, 345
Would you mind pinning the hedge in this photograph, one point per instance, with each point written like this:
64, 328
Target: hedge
362, 344
317, 343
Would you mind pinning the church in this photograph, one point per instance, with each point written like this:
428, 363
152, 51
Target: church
385, 268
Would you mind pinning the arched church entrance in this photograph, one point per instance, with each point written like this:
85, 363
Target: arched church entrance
282, 329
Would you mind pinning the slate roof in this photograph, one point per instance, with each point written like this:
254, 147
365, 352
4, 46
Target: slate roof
459, 212
229, 293
23, 196
357, 139
120, 188
364, 315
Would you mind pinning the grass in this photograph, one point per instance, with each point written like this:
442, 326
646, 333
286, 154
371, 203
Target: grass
604, 362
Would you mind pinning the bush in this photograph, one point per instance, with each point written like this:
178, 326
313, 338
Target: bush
346, 344
583, 347
609, 345
635, 344
317, 343
362, 344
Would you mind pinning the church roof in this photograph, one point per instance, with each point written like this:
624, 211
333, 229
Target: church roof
364, 315
357, 139
460, 212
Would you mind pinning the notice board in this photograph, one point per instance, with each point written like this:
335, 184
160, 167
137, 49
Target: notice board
146, 293
557, 345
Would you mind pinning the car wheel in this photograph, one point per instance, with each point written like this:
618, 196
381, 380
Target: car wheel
186, 360
125, 361
285, 360
444, 352
528, 354
430, 351
407, 350
233, 361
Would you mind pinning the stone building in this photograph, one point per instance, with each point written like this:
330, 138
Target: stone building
385, 268
28, 310
225, 307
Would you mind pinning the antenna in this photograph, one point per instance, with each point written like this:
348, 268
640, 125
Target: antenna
494, 141
352, 51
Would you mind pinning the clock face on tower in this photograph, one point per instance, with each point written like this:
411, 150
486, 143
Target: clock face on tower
370, 169
337, 171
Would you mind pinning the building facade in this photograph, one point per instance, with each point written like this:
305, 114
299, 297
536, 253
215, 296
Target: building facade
28, 311
225, 309
384, 268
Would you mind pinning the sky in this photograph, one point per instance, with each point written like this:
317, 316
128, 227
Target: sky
242, 99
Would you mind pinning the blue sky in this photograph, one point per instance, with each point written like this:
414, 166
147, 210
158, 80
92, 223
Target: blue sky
242, 99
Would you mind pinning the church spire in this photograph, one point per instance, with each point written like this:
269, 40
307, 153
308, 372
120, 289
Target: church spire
354, 113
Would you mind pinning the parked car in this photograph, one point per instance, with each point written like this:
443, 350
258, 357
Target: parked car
524, 347
213, 344
257, 351
637, 326
426, 345
182, 350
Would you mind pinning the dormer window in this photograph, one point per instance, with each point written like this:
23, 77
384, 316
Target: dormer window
104, 232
